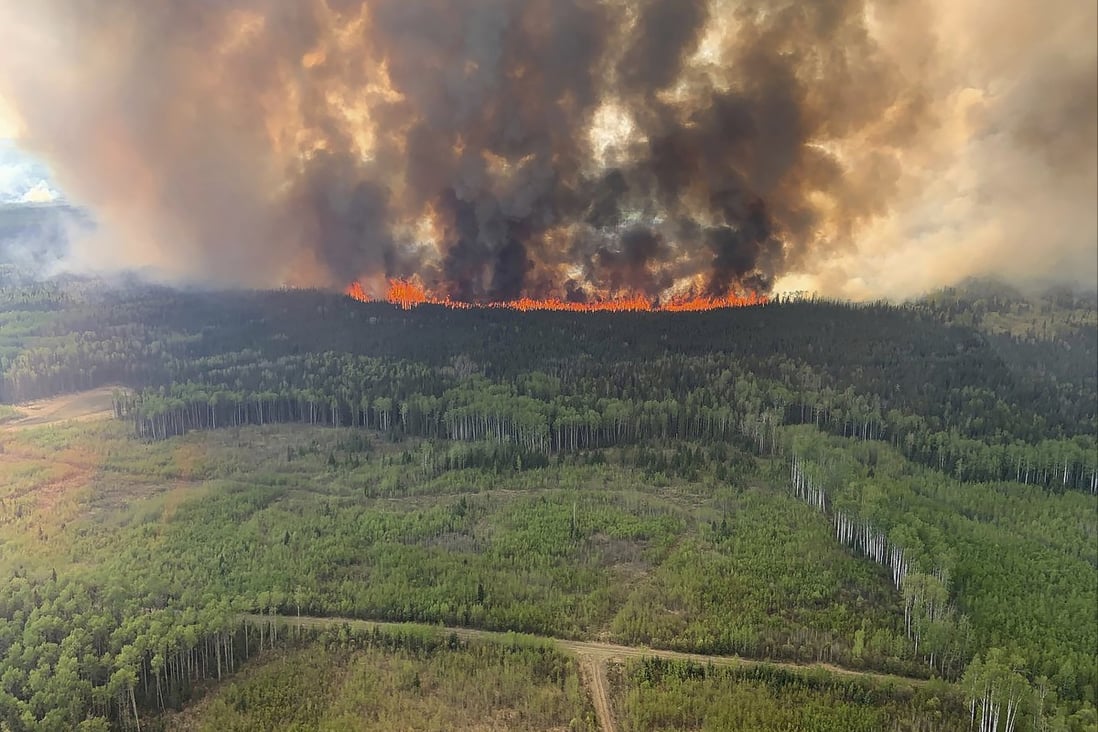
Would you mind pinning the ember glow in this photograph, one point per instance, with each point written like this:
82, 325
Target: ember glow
406, 294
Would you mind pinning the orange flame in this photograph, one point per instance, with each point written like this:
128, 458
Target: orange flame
407, 294
355, 292
695, 304
636, 303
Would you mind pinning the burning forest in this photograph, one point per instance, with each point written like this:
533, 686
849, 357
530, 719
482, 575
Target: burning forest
557, 152
407, 294
572, 153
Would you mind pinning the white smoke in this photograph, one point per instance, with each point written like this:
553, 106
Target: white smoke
22, 178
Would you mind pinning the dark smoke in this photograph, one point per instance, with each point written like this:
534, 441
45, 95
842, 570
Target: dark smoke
635, 265
260, 141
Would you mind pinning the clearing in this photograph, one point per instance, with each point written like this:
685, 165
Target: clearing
593, 656
83, 405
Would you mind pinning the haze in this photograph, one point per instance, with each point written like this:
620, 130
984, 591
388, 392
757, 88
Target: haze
574, 150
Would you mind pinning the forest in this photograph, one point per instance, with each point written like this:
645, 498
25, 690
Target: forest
901, 491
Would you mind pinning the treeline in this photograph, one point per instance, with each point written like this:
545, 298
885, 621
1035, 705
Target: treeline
936, 537
475, 411
950, 397
1066, 463
75, 657
539, 414
939, 634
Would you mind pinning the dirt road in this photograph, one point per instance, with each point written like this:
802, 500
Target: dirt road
593, 671
593, 656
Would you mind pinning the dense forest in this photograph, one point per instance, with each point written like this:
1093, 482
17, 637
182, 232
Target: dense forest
898, 489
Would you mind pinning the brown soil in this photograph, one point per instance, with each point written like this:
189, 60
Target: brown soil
84, 405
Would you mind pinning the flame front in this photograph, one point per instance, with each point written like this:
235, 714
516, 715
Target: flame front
407, 294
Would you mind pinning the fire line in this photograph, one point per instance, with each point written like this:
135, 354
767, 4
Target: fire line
407, 295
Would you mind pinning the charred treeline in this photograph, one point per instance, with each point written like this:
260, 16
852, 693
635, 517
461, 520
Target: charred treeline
938, 632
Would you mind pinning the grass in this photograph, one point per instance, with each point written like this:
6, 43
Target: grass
578, 551
651, 695
9, 413
766, 579
332, 687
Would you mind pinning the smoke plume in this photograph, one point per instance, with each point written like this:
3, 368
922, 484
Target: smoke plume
569, 148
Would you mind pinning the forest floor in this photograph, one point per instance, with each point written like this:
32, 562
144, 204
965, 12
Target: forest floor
83, 405
593, 656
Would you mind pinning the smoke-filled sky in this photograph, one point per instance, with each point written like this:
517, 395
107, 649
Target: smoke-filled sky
573, 148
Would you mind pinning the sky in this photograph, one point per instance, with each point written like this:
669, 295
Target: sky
23, 178
853, 148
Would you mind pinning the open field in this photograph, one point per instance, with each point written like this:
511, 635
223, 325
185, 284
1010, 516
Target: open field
384, 684
86, 405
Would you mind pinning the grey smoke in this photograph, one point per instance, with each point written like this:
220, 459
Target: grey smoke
853, 144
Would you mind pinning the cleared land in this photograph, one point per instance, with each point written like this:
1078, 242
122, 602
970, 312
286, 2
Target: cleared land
380, 685
81, 406
593, 656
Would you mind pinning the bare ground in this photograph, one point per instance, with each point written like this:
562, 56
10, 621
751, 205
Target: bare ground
593, 671
81, 406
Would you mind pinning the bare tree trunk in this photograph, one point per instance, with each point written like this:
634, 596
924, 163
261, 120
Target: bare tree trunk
133, 703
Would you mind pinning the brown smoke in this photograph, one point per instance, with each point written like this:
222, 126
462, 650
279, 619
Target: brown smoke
567, 148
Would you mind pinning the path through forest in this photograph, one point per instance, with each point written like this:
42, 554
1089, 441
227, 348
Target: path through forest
593, 673
593, 656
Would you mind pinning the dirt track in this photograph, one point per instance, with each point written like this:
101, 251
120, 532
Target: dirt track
592, 656
81, 406
594, 676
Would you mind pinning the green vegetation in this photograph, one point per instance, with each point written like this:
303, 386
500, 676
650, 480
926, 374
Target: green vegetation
389, 682
766, 580
985, 543
902, 490
678, 695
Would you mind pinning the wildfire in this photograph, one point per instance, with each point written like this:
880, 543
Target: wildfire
696, 304
355, 292
617, 305
407, 294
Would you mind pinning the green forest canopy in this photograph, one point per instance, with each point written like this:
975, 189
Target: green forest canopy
909, 489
